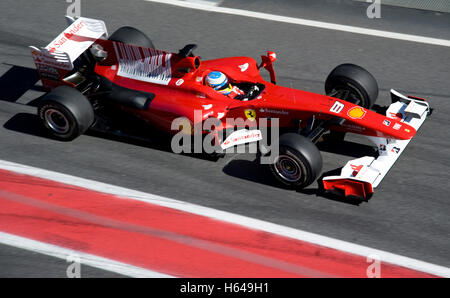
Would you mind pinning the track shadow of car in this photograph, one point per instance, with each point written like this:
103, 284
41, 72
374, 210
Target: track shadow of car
17, 81
347, 148
250, 170
26, 123
254, 171
30, 124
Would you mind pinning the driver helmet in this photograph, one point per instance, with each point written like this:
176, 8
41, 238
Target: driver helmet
219, 82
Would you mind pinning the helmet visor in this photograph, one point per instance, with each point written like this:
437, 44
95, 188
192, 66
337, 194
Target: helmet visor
225, 89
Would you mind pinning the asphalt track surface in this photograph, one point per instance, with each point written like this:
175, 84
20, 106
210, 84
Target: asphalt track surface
408, 215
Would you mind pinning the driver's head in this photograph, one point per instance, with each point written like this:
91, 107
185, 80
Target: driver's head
219, 82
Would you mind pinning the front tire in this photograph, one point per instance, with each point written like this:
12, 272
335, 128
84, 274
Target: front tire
352, 83
65, 113
298, 163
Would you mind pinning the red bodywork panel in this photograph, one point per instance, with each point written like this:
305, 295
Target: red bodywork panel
181, 90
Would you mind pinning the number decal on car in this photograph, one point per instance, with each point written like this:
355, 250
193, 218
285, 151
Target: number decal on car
337, 107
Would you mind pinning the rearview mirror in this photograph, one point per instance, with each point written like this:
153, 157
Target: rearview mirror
267, 63
272, 56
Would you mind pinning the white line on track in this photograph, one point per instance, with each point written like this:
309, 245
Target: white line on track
306, 22
230, 218
86, 259
205, 2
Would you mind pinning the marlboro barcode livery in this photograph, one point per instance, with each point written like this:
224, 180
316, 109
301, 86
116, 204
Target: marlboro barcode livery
93, 79
143, 64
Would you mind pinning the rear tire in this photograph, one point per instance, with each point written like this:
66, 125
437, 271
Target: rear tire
299, 162
132, 36
66, 113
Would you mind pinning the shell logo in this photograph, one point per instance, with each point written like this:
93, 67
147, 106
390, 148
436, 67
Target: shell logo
356, 113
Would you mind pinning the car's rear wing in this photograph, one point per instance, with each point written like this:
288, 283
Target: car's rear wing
54, 61
359, 176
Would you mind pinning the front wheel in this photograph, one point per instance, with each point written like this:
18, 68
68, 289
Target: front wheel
352, 83
298, 163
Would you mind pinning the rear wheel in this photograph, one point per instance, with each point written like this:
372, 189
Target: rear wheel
298, 163
65, 113
132, 36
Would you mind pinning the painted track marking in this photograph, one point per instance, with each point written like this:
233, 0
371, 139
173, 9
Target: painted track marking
306, 22
231, 218
86, 259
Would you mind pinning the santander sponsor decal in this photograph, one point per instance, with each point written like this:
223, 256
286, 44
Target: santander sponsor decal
66, 35
249, 136
78, 37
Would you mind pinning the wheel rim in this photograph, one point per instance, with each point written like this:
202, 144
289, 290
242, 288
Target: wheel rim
288, 168
349, 94
57, 121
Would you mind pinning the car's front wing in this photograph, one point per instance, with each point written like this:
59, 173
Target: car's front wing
360, 176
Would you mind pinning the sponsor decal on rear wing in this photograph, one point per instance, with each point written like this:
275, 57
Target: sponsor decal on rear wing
55, 60
359, 176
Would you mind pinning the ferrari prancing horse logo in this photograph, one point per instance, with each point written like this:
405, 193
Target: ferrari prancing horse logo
250, 114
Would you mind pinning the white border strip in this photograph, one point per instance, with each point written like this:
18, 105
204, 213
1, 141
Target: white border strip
248, 222
205, 2
305, 22
86, 259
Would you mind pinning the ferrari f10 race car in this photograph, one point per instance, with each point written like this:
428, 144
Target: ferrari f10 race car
89, 74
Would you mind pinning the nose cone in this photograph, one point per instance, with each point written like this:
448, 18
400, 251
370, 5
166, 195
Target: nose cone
408, 131
395, 129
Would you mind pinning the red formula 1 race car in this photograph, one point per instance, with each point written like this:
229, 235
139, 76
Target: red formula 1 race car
89, 74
